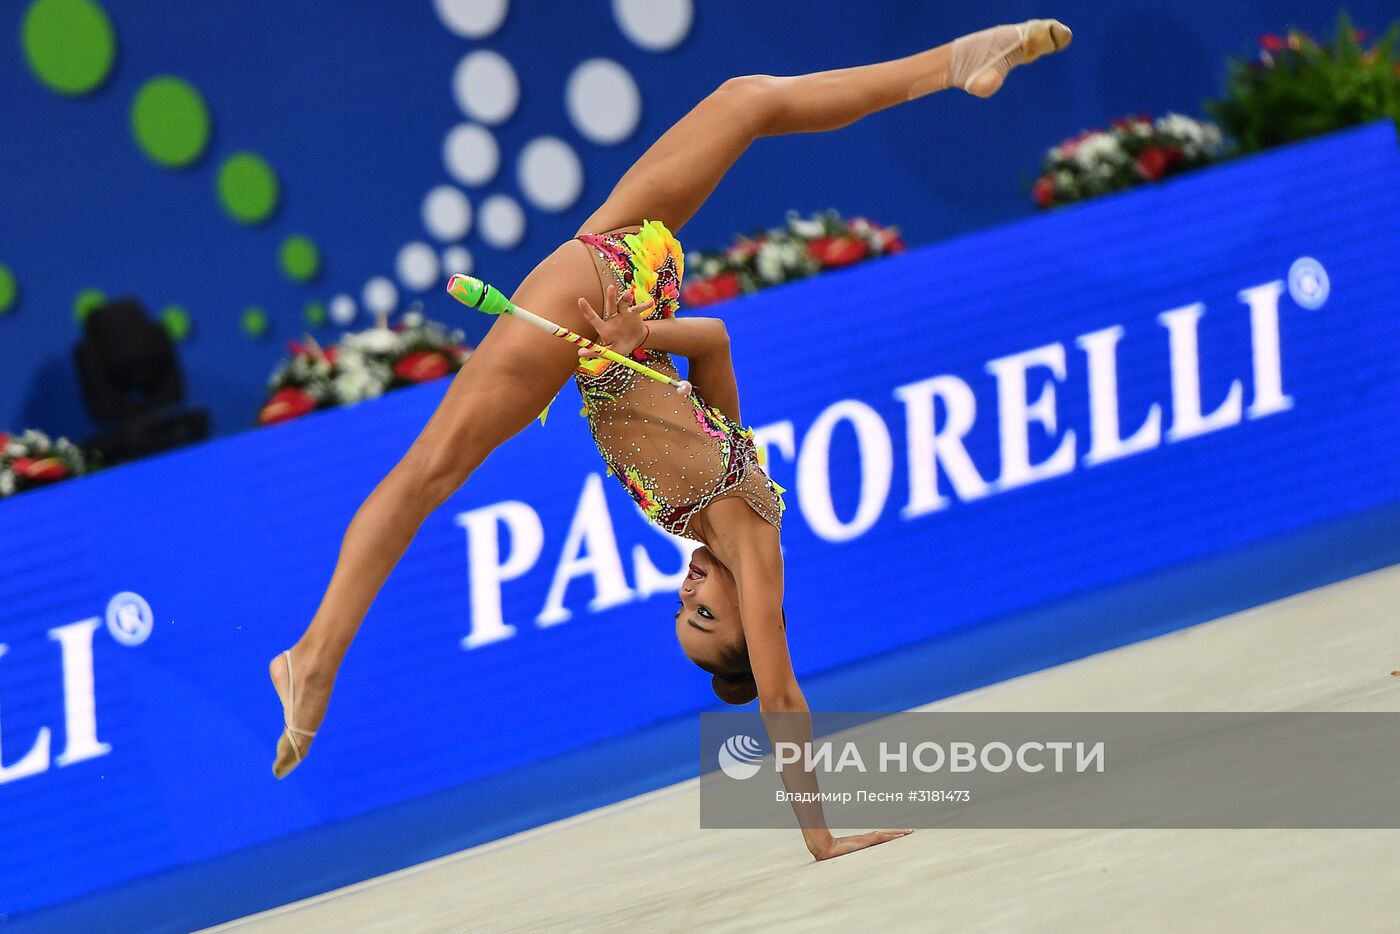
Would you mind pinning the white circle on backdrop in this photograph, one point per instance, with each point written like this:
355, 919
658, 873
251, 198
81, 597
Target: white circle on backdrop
457, 260
1309, 283
380, 296
486, 87
502, 222
417, 266
472, 19
471, 154
655, 25
550, 174
342, 309
447, 213
603, 101
129, 618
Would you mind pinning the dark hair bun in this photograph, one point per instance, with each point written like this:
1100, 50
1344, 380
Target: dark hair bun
735, 689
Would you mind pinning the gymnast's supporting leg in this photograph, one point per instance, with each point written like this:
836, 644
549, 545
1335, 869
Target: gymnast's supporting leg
502, 388
669, 183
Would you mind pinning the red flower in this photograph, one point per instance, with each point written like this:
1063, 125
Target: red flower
285, 405
1360, 35
4, 440
726, 286
1271, 42
698, 293
844, 250
1044, 191
891, 241
1153, 163
422, 366
709, 291
298, 349
43, 470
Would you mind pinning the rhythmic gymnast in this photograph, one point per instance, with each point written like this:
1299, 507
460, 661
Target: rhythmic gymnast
684, 458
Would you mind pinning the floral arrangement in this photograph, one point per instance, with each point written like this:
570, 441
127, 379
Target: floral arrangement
32, 459
365, 364
1133, 151
1296, 87
803, 247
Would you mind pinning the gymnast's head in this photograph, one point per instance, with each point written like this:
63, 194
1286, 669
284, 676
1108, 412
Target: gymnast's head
710, 630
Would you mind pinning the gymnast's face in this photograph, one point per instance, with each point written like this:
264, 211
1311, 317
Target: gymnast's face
708, 624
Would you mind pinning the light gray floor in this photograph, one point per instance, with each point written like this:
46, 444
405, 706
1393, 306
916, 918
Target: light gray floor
643, 864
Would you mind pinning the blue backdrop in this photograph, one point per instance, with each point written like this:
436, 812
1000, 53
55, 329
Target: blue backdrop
350, 103
1234, 328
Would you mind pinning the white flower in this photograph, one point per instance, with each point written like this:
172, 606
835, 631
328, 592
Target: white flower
7, 482
793, 255
805, 228
412, 319
1099, 148
360, 380
1174, 124
770, 262
374, 340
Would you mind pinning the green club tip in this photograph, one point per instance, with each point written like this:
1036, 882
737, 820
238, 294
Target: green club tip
477, 294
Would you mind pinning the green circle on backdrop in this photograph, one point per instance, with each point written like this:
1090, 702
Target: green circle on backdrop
85, 301
9, 289
70, 44
255, 322
301, 261
247, 188
170, 121
177, 321
315, 314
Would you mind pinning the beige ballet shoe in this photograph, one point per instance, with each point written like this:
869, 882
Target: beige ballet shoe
982, 60
289, 748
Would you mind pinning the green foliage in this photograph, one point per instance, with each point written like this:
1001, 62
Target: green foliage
1299, 88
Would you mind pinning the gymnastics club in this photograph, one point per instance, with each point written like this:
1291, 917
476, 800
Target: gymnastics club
487, 298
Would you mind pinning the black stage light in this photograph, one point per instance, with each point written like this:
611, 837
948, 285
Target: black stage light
133, 384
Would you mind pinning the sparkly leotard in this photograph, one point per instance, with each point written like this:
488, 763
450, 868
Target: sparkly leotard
674, 454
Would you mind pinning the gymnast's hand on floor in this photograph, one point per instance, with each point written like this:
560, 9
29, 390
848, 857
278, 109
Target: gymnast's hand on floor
840, 846
620, 327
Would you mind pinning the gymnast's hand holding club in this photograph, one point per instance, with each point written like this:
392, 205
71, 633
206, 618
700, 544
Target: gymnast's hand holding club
613, 325
620, 327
